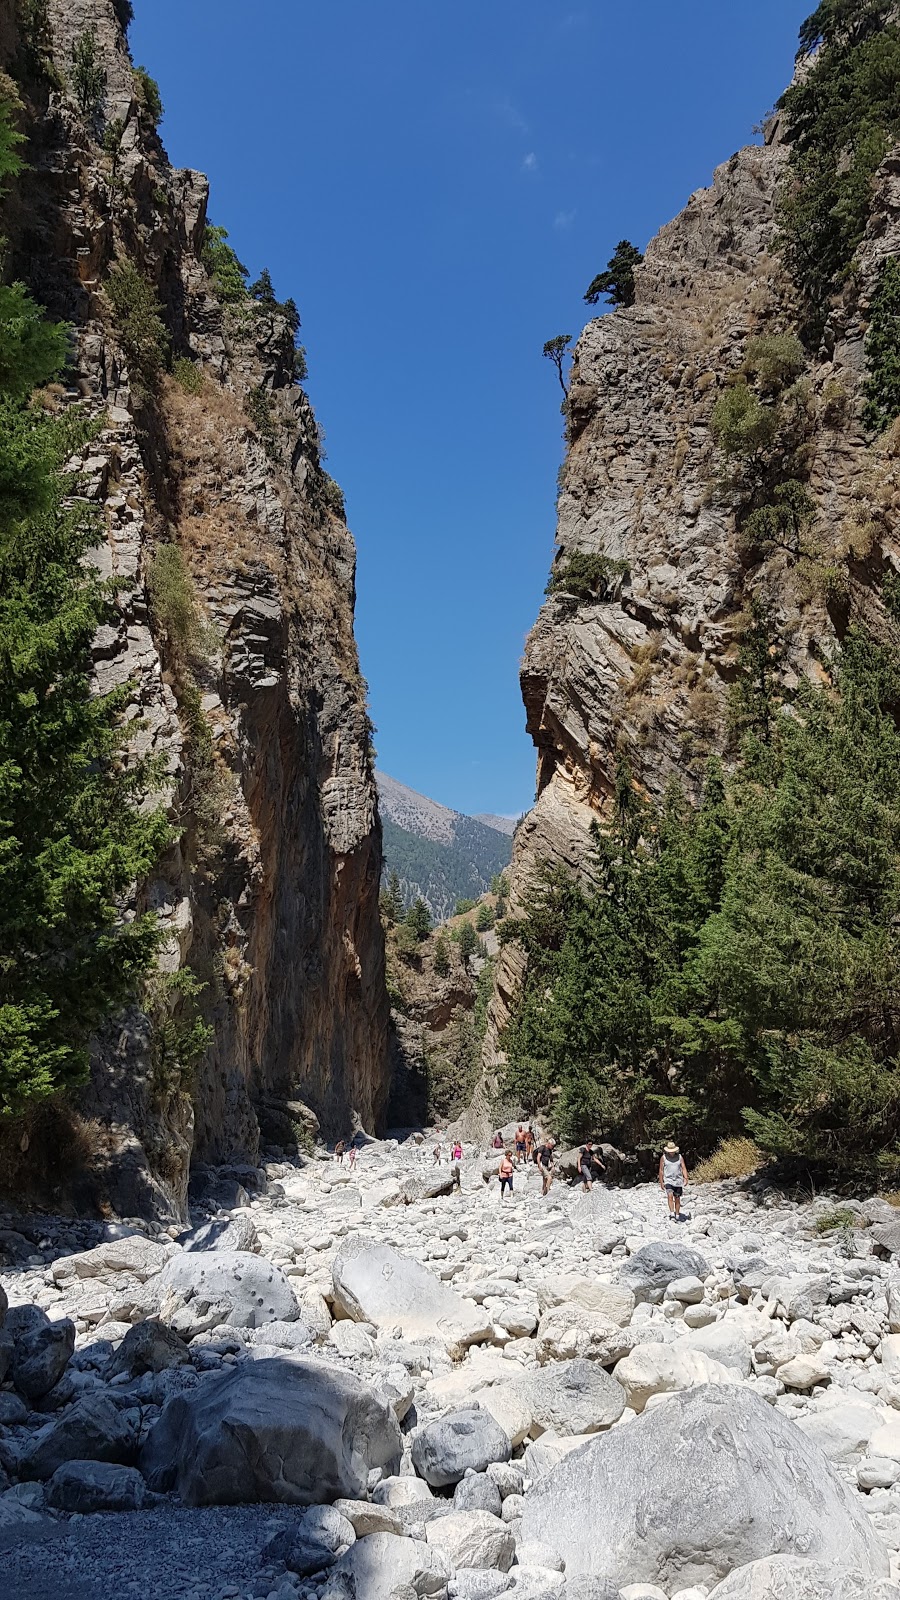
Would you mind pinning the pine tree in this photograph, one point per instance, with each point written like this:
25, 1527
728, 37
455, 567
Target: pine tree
418, 917
442, 956
392, 901
617, 282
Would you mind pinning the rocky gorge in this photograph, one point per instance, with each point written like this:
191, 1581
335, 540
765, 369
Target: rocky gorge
348, 1383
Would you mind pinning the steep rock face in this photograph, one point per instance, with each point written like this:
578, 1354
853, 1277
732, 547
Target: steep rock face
270, 894
645, 670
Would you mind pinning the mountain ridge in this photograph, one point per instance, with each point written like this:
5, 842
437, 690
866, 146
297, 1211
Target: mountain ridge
439, 855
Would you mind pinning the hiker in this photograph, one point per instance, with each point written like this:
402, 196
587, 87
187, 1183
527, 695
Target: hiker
545, 1163
436, 1156
353, 1155
456, 1152
339, 1152
673, 1177
520, 1145
587, 1161
529, 1143
497, 1141
505, 1172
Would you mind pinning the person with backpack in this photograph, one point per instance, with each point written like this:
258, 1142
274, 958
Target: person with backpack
673, 1178
587, 1161
505, 1172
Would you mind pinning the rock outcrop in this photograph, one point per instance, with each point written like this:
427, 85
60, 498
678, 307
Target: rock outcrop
270, 893
642, 667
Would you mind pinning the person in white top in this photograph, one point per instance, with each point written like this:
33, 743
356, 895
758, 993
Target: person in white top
673, 1177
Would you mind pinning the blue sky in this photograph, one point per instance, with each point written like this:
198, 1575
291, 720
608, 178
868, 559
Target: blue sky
436, 185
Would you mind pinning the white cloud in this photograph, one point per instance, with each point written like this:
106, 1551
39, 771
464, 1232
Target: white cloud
564, 219
509, 113
530, 162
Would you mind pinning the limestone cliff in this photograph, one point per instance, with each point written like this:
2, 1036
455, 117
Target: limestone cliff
270, 894
642, 667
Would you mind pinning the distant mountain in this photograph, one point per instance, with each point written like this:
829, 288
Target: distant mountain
505, 825
438, 854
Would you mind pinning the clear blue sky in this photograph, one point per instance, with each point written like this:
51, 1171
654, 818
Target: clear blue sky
436, 184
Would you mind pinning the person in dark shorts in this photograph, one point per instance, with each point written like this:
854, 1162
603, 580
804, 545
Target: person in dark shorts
545, 1164
673, 1176
520, 1145
505, 1172
588, 1162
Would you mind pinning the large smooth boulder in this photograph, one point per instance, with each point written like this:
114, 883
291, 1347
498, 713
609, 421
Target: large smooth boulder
724, 1342
272, 1430
713, 1479
444, 1451
570, 1331
93, 1430
651, 1269
572, 1397
87, 1486
375, 1283
842, 1429
473, 1539
612, 1300
41, 1350
147, 1347
134, 1254
795, 1578
249, 1289
663, 1368
383, 1565
231, 1233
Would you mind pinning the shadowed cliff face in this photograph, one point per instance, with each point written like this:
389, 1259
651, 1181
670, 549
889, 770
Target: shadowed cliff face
643, 670
270, 894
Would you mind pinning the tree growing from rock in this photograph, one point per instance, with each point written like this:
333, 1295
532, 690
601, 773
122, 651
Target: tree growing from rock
617, 282
555, 350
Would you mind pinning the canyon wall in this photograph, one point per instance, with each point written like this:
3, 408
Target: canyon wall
269, 896
642, 668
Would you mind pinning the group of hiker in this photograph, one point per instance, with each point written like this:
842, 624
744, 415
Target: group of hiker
529, 1147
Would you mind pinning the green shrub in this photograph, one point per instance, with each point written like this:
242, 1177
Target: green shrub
782, 525
742, 426
463, 907
775, 360
149, 99
36, 35
259, 410
88, 78
883, 348
587, 577
301, 366
227, 272
188, 375
173, 602
840, 1217
484, 921
124, 13
841, 116
333, 496
139, 317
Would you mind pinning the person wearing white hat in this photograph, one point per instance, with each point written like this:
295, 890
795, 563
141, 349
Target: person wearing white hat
673, 1176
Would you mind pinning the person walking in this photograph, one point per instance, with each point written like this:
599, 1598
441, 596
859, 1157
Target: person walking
497, 1141
587, 1161
673, 1178
529, 1142
505, 1172
545, 1163
520, 1145
339, 1152
352, 1155
456, 1152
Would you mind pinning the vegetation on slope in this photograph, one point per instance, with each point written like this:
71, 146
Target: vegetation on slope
737, 968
